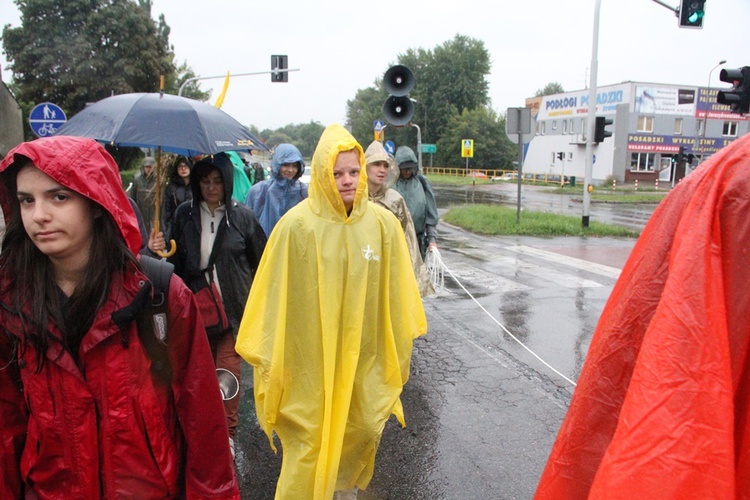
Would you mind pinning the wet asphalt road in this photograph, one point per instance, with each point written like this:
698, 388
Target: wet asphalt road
481, 411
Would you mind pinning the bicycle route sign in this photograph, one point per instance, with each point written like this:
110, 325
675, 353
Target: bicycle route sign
46, 118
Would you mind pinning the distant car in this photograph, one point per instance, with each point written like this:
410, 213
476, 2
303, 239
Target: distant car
477, 175
533, 177
507, 176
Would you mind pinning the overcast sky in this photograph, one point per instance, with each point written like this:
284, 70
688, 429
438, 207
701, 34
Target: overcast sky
341, 46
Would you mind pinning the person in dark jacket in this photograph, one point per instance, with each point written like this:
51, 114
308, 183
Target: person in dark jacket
82, 413
177, 191
196, 226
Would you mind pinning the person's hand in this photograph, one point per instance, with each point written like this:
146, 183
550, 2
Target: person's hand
432, 246
156, 242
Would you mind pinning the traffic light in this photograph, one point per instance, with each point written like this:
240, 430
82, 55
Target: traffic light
738, 98
600, 132
680, 157
691, 13
277, 63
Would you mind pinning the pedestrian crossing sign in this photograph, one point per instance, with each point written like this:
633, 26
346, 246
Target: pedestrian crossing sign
467, 148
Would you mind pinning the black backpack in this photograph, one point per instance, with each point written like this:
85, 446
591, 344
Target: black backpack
152, 319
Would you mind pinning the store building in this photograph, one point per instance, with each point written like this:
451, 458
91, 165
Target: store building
651, 123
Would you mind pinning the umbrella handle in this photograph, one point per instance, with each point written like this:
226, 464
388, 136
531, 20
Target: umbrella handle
170, 252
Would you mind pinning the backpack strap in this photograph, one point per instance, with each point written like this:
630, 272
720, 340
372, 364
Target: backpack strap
152, 320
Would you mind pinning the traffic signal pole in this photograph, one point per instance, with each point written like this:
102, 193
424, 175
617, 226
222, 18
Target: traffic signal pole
591, 119
272, 72
676, 10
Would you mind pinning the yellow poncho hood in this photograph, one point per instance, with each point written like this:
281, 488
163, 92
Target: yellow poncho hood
328, 328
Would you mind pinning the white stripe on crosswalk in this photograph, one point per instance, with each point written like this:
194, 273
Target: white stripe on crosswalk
584, 265
555, 275
480, 277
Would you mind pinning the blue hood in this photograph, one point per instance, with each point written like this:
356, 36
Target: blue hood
286, 153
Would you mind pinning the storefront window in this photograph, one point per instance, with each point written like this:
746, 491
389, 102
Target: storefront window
642, 162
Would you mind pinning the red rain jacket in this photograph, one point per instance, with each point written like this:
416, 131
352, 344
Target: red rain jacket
109, 429
662, 407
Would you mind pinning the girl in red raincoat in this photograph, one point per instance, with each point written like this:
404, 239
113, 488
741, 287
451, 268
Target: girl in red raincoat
81, 414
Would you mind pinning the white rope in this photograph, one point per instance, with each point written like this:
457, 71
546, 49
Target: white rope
437, 270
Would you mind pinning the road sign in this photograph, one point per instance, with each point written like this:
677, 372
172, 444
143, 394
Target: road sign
429, 148
377, 125
467, 148
518, 120
46, 118
390, 147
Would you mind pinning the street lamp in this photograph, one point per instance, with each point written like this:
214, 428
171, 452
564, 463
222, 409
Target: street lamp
705, 118
419, 138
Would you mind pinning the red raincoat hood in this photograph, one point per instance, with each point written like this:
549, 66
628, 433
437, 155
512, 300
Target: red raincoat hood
662, 406
84, 166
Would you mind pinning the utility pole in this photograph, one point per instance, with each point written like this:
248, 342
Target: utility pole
591, 118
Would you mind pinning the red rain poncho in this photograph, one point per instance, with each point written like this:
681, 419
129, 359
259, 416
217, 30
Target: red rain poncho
662, 407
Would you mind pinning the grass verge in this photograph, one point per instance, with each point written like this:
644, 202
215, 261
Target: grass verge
454, 180
499, 220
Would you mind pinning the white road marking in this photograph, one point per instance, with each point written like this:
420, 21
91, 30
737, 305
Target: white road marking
553, 274
480, 277
584, 265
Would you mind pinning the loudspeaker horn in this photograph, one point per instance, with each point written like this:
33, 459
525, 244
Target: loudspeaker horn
398, 80
228, 384
398, 110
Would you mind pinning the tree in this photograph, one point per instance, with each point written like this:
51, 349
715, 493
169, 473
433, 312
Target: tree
192, 90
549, 89
363, 110
449, 79
492, 148
71, 52
276, 137
303, 136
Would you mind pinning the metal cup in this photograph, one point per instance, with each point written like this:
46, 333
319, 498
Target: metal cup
228, 384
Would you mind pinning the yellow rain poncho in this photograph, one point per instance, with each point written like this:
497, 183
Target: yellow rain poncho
328, 328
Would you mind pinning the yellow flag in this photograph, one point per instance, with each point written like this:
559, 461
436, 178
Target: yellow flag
220, 99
